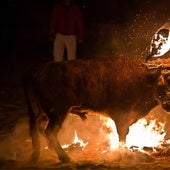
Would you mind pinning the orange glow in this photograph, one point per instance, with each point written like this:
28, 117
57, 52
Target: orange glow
146, 134
76, 140
142, 134
107, 135
112, 135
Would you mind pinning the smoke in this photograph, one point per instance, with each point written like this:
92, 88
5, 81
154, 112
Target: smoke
17, 145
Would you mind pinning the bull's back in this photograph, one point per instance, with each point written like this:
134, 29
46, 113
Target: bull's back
95, 83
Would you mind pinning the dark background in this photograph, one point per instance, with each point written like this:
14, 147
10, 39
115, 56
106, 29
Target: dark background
25, 23
121, 27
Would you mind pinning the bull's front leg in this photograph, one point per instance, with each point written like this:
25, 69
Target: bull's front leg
123, 121
53, 140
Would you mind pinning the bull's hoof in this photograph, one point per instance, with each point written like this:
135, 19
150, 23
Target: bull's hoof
34, 158
64, 158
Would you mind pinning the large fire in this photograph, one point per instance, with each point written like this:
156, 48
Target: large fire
160, 43
142, 134
146, 134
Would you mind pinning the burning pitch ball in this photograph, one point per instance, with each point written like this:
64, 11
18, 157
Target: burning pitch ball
160, 43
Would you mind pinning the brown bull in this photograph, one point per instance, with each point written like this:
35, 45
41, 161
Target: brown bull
122, 87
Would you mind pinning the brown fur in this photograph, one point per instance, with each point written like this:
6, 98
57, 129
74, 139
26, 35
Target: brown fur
119, 86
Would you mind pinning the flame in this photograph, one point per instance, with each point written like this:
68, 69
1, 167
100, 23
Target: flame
76, 140
160, 43
141, 134
112, 135
162, 46
108, 131
146, 134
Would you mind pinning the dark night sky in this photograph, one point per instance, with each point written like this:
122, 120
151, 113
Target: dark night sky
25, 23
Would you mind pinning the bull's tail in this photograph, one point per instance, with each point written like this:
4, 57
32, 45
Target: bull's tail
27, 85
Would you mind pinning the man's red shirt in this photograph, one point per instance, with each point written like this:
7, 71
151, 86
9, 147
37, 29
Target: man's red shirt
67, 20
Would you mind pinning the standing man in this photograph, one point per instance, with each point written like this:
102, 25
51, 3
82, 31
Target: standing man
66, 29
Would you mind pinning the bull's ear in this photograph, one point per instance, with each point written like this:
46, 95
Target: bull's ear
153, 68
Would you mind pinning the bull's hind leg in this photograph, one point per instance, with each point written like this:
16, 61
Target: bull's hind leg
38, 122
35, 141
51, 133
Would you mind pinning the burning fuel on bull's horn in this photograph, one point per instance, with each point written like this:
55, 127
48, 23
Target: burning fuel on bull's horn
160, 43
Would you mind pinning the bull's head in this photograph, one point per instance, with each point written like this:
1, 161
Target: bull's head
163, 87
163, 82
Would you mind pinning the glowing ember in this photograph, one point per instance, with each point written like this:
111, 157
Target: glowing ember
46, 147
145, 134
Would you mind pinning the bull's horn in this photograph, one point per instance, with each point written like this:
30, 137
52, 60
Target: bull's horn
151, 66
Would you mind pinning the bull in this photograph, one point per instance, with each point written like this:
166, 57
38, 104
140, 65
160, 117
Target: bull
122, 87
